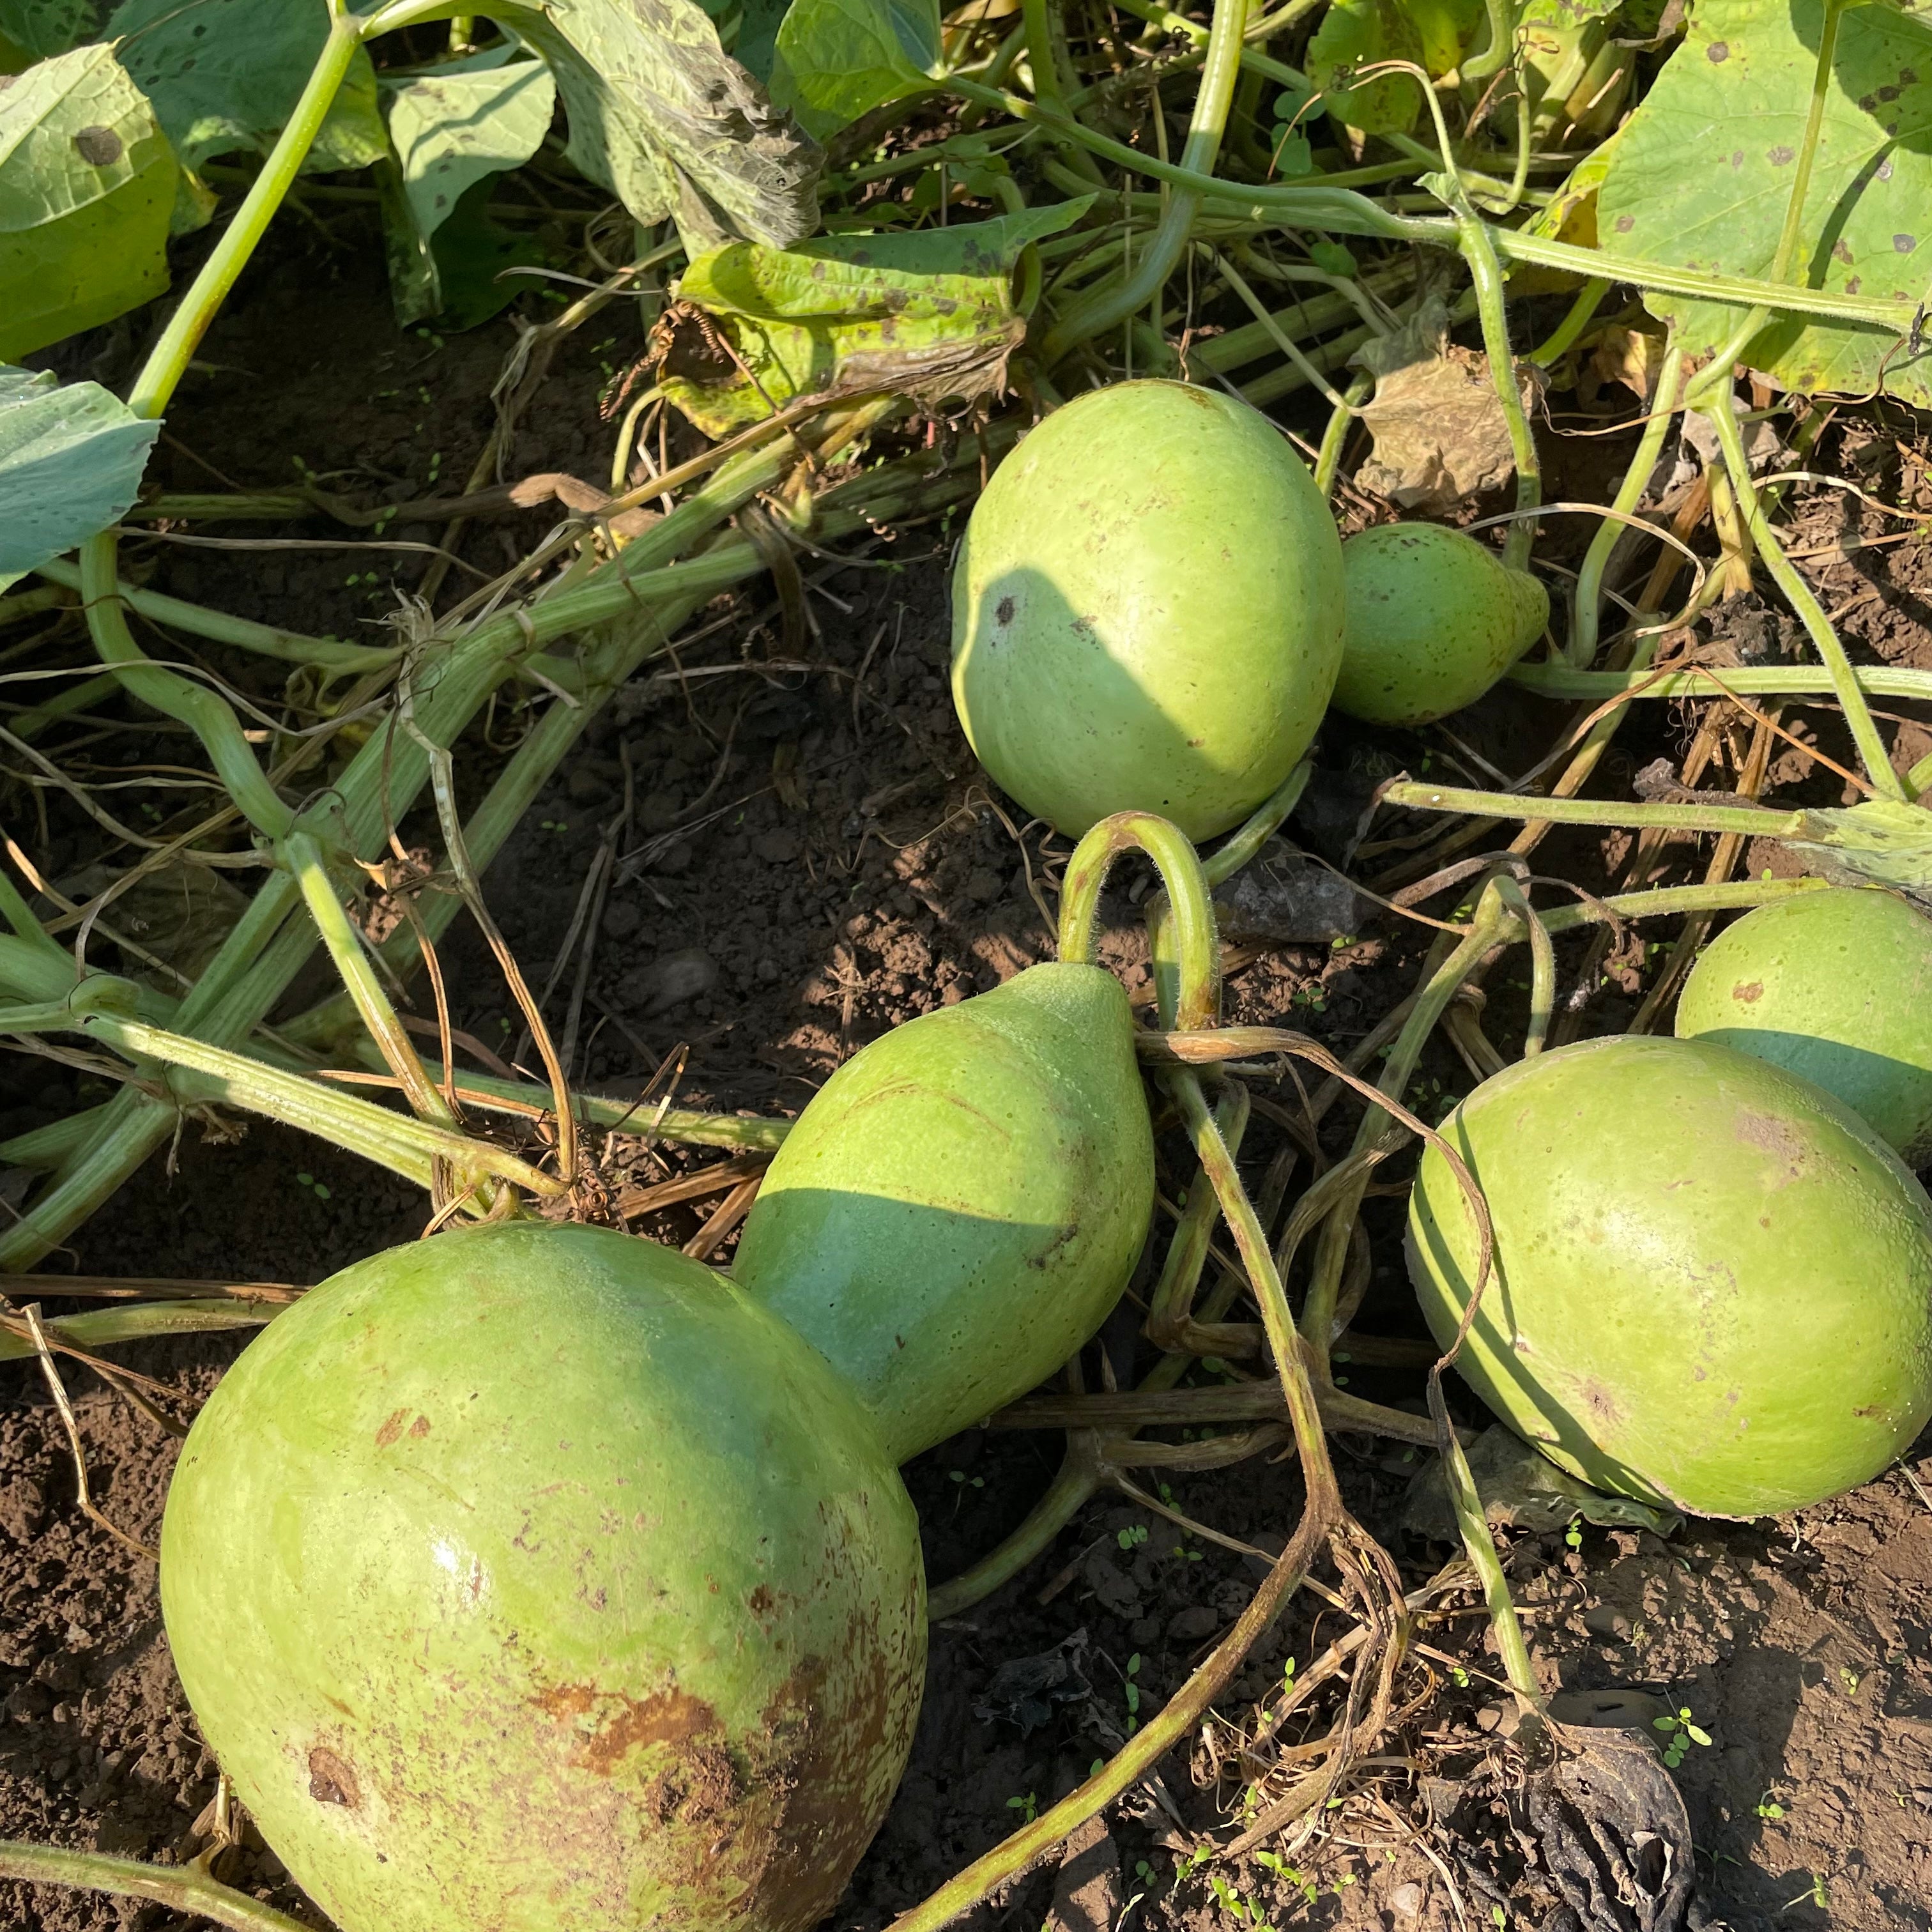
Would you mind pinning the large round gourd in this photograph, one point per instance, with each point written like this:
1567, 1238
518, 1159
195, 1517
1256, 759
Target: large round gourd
1147, 610
531, 1578
1834, 985
1435, 619
961, 1204
1713, 1285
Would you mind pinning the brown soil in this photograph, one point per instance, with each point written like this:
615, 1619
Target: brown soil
806, 859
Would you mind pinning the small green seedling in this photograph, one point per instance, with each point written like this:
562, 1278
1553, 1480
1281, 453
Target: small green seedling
1289, 1874
1768, 1807
1132, 1536
1133, 1694
1850, 1679
1573, 1535
314, 1186
1816, 1894
1680, 1734
1027, 1806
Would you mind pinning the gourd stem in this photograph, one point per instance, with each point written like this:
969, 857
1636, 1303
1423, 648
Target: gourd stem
1328, 457
207, 715
99, 1327
1217, 1163
1171, 1306
1479, 255
1188, 991
1467, 1502
1076, 1482
1586, 607
1445, 976
1267, 818
184, 1889
302, 855
18, 914
407, 1147
1323, 1519
1170, 1726
1543, 963
1582, 312
1109, 306
1754, 681
168, 361
1753, 820
1721, 411
290, 646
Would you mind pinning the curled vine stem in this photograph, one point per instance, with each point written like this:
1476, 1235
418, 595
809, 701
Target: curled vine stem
182, 1888
1187, 988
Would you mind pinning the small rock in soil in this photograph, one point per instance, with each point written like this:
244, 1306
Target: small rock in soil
669, 981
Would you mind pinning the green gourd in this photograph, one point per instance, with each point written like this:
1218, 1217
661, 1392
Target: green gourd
1435, 619
1834, 985
533, 1578
960, 1206
1713, 1284
1147, 610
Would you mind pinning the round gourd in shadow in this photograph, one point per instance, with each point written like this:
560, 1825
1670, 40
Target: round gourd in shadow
961, 1204
1435, 619
1835, 985
1713, 1284
1147, 610
533, 1578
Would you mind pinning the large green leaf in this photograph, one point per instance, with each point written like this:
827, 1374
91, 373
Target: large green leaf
674, 129
45, 27
225, 74
838, 59
454, 129
86, 182
1355, 33
71, 463
930, 313
1703, 173
756, 47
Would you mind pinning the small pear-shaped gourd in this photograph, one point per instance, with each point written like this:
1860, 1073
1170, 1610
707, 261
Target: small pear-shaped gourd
1434, 620
961, 1204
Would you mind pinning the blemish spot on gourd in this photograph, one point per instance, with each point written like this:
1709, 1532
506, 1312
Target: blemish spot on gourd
420, 1427
1776, 1137
391, 1429
624, 1724
1717, 52
331, 1781
1749, 994
1002, 611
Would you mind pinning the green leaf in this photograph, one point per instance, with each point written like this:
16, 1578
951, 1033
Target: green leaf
44, 28
454, 129
1355, 33
838, 59
86, 183
675, 129
71, 463
1703, 173
225, 75
930, 313
1566, 16
756, 48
